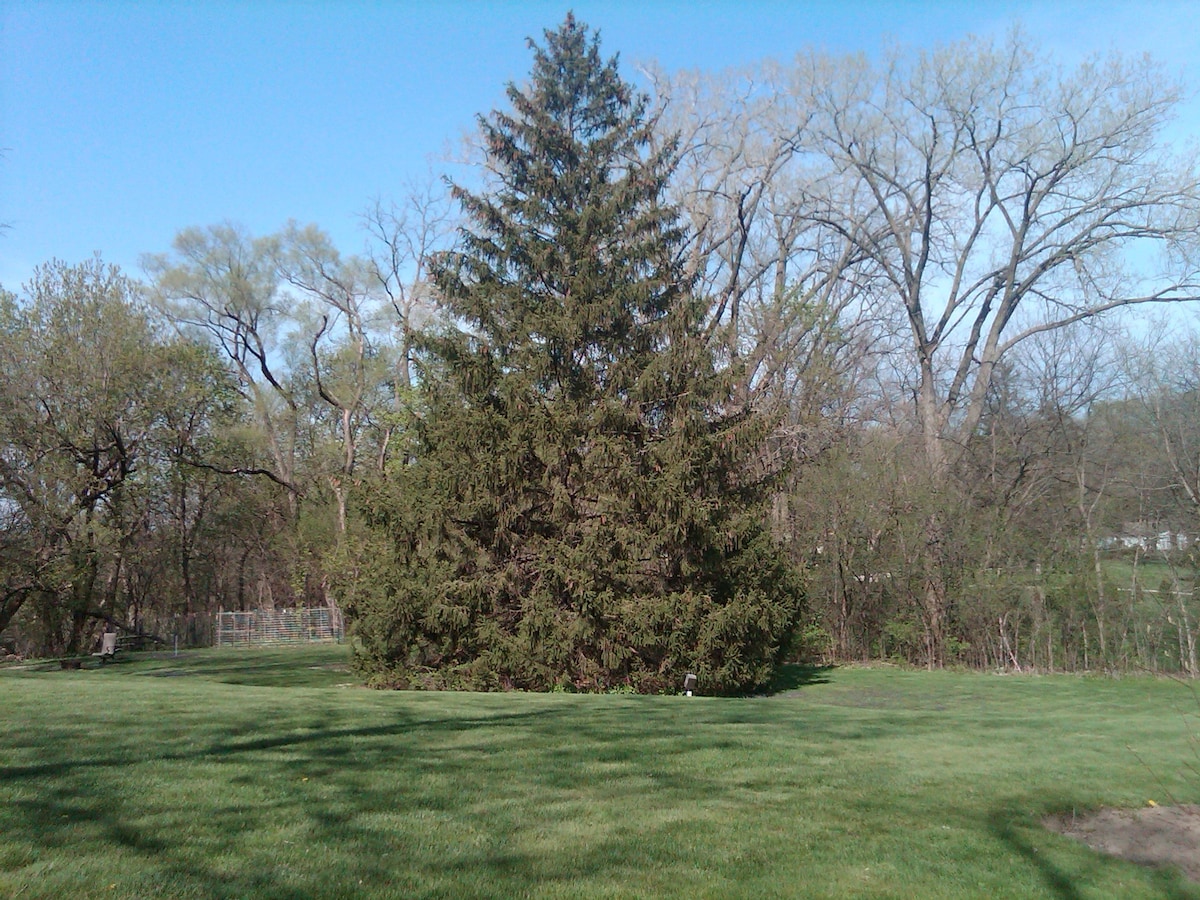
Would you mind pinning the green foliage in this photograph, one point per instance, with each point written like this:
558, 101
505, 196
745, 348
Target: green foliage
584, 500
99, 412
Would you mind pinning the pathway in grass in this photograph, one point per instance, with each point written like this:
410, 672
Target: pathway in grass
210, 776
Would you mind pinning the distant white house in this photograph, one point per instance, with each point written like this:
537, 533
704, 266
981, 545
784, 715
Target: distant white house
1143, 536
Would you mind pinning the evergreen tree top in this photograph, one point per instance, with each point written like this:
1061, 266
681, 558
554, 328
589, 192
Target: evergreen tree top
576, 116
572, 85
574, 245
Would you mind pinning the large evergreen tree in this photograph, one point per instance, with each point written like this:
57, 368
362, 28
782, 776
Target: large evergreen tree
582, 505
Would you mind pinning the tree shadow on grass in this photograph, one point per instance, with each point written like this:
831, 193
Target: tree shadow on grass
795, 676
334, 794
452, 819
233, 741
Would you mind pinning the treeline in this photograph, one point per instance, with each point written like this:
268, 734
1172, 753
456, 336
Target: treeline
897, 295
1069, 521
189, 443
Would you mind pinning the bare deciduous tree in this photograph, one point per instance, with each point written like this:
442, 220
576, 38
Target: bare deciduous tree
787, 292
405, 237
222, 283
998, 199
1004, 200
335, 312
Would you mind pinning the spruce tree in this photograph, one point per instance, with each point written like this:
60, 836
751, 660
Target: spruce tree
583, 503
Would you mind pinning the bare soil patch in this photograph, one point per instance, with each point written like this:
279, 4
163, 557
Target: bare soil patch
1153, 836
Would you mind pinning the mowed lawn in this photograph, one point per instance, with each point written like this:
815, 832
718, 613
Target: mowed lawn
267, 774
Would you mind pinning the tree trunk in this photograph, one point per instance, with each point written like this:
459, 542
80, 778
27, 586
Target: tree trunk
934, 605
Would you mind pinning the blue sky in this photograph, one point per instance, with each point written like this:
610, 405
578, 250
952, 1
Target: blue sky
122, 123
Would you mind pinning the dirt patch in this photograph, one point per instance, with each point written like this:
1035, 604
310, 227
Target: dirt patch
1154, 836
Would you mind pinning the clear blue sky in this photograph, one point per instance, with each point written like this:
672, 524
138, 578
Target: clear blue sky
122, 123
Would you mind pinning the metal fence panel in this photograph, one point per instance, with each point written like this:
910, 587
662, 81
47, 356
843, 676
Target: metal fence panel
278, 626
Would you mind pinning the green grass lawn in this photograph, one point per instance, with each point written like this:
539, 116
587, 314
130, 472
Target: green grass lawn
1150, 572
265, 774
